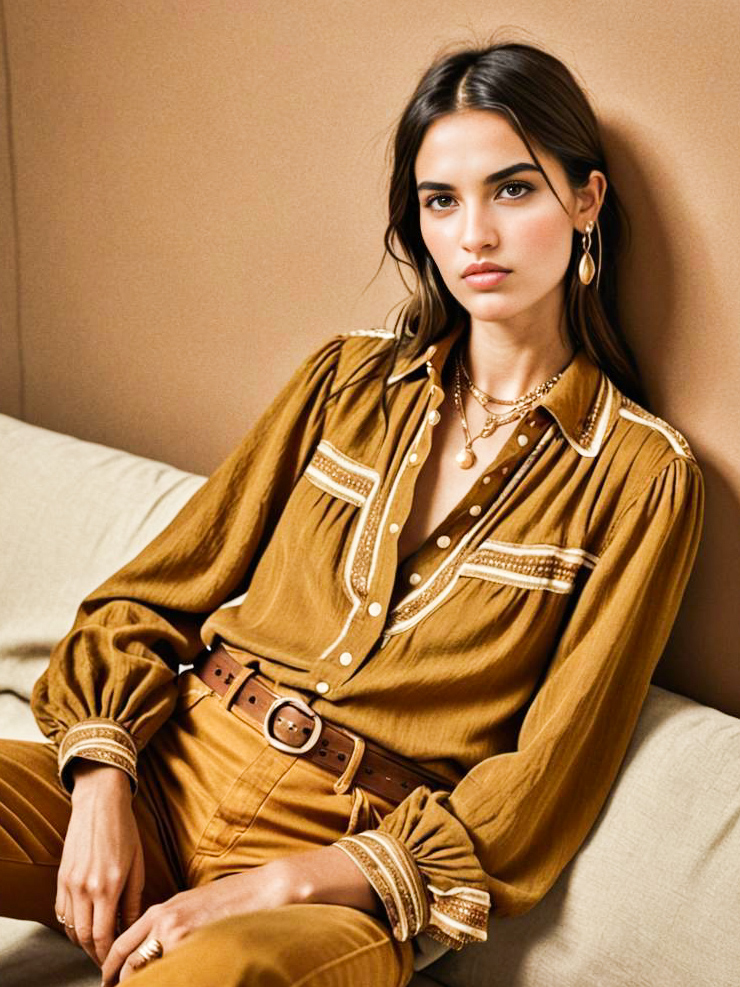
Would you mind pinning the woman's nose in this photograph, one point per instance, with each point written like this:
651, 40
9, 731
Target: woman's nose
478, 230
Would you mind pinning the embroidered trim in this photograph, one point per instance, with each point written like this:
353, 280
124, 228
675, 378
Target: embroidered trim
634, 413
458, 916
547, 567
325, 473
98, 740
338, 474
430, 594
391, 870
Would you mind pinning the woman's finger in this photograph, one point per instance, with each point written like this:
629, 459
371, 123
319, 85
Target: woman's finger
82, 908
124, 946
104, 929
69, 919
148, 951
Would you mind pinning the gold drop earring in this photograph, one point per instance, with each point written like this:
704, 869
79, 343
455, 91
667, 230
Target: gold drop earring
586, 264
586, 267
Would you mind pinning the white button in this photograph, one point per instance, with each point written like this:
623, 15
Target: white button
522, 440
345, 658
443, 541
475, 510
414, 578
322, 687
413, 457
486, 479
433, 417
374, 609
393, 528
504, 470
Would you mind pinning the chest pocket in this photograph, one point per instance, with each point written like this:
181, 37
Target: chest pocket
544, 567
333, 472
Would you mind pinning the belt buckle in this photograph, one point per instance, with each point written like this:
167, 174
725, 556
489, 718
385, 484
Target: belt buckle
304, 708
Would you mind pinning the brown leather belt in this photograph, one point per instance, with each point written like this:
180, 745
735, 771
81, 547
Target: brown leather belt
289, 724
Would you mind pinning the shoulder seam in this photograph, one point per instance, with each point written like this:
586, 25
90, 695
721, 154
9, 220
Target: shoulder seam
633, 412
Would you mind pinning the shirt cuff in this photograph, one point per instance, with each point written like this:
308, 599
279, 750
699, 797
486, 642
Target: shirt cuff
454, 917
104, 741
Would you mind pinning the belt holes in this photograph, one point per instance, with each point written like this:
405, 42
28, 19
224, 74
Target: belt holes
306, 731
252, 699
341, 757
218, 672
404, 784
324, 743
368, 771
322, 753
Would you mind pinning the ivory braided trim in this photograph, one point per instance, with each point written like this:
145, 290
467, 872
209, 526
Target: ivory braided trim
104, 741
458, 916
390, 869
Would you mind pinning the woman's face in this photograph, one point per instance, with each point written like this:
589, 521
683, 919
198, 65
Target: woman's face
483, 201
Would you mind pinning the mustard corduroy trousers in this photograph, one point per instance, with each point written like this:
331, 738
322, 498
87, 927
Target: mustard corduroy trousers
214, 798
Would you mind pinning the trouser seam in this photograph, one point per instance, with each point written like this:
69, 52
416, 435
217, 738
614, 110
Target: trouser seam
340, 959
29, 863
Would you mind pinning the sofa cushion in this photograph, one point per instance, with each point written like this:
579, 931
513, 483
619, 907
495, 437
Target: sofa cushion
71, 513
652, 899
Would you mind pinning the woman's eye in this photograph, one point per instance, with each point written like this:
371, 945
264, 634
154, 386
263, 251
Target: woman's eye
518, 187
438, 203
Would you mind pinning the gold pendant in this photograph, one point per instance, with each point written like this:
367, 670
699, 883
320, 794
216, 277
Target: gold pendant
465, 458
586, 269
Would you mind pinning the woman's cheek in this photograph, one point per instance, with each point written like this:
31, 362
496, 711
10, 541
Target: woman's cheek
547, 236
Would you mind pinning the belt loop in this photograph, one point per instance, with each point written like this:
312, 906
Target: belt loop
236, 685
344, 782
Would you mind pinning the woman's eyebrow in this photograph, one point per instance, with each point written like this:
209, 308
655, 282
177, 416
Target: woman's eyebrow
495, 177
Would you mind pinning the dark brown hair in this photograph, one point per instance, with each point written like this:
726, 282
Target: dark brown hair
549, 110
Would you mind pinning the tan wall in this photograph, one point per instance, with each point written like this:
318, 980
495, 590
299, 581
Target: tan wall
10, 343
200, 197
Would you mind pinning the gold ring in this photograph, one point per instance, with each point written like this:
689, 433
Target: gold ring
68, 925
152, 949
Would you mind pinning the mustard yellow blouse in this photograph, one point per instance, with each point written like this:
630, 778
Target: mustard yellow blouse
511, 653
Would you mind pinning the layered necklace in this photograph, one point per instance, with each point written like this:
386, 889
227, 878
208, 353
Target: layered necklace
518, 407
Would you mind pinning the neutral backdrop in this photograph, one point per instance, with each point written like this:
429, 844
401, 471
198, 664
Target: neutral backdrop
192, 198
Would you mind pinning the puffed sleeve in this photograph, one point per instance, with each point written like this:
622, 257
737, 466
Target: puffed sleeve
111, 681
515, 820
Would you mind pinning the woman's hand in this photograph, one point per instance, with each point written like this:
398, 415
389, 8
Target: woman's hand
323, 876
101, 873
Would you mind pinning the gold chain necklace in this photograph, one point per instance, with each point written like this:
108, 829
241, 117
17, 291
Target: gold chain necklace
466, 458
483, 398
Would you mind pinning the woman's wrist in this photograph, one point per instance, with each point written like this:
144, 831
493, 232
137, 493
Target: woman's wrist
87, 775
326, 876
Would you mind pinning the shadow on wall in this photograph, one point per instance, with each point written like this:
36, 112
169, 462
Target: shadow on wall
703, 653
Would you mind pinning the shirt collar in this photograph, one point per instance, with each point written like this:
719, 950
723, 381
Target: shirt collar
584, 402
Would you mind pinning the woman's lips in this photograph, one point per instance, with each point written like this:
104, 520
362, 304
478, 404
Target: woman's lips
485, 279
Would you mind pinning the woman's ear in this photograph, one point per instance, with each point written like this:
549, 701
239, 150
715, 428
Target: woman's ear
589, 199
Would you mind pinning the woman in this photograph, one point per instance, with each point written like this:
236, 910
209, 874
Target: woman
462, 547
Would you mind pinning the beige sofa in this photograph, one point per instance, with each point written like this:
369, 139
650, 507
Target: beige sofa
651, 900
